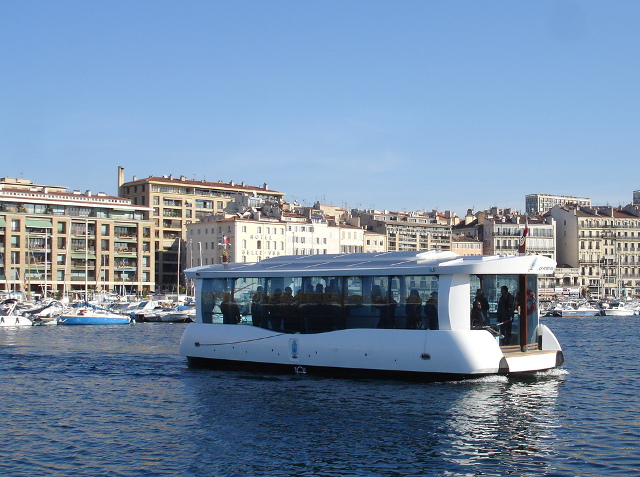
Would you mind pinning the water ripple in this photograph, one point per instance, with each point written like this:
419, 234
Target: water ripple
119, 401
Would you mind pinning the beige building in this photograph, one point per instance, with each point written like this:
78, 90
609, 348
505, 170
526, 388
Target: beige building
177, 202
68, 242
351, 239
374, 242
408, 231
603, 243
464, 246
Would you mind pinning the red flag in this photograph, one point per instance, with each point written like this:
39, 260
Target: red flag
522, 243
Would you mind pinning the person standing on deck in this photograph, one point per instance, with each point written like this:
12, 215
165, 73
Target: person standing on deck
506, 305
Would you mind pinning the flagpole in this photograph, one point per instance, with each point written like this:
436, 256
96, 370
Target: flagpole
524, 312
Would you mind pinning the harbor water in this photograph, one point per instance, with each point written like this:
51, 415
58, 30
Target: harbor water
120, 401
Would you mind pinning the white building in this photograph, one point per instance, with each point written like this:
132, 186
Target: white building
543, 203
243, 240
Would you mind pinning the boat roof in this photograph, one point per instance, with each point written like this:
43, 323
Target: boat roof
386, 263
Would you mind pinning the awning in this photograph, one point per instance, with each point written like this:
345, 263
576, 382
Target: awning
39, 223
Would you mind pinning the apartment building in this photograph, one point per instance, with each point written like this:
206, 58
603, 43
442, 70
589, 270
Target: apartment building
56, 242
543, 203
409, 231
603, 243
500, 234
177, 202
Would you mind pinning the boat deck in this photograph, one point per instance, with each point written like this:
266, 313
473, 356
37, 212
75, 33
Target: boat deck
531, 359
530, 349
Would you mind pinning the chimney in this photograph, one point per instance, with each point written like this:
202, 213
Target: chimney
265, 186
120, 179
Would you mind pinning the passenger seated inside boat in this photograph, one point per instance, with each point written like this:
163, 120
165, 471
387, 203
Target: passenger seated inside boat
385, 306
478, 320
431, 311
230, 311
413, 310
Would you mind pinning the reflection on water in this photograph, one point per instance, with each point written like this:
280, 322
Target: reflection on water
333, 427
508, 423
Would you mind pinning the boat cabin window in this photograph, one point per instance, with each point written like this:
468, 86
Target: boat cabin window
489, 286
325, 303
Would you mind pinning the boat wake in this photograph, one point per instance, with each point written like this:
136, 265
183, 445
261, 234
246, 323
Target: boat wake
555, 372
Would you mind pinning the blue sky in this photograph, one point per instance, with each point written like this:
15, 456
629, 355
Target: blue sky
399, 105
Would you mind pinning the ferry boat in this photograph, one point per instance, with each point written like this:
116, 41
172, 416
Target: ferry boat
400, 315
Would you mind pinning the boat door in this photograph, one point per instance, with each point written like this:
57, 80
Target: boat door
527, 310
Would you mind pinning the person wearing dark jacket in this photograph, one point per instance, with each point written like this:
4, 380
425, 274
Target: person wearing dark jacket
506, 305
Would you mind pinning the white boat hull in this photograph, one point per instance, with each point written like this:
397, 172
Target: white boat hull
13, 320
421, 354
618, 312
578, 313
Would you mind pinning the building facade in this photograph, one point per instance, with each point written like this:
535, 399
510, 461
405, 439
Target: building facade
408, 231
216, 240
603, 243
501, 234
374, 242
55, 243
176, 202
543, 203
465, 246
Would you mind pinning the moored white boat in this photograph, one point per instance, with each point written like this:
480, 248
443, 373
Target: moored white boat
15, 320
9, 315
579, 309
359, 315
617, 308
